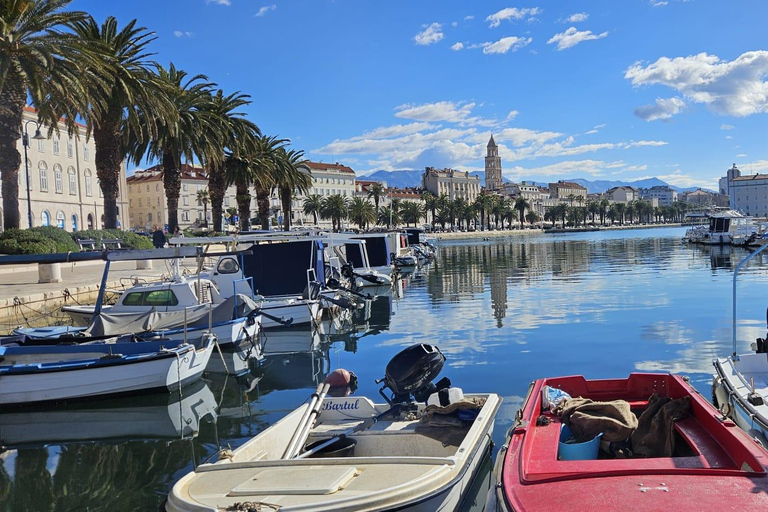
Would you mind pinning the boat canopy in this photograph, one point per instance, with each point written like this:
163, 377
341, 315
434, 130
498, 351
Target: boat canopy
378, 251
281, 268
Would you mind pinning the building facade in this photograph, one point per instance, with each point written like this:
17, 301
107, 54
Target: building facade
622, 194
454, 184
566, 189
60, 175
663, 194
724, 182
749, 194
493, 180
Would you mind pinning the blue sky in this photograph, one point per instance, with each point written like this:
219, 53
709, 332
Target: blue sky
601, 89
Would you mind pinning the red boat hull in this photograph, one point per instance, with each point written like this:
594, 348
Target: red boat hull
723, 470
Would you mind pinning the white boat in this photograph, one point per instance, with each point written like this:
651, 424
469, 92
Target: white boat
46, 373
740, 383
376, 457
379, 252
724, 225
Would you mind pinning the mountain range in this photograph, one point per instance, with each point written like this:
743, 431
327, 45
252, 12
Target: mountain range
410, 178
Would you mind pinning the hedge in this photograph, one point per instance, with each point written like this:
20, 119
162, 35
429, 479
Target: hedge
50, 239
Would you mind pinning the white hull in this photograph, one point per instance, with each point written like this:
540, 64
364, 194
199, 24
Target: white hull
394, 466
166, 373
372, 279
384, 270
300, 311
732, 386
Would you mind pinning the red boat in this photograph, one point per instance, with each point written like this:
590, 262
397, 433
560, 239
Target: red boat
715, 465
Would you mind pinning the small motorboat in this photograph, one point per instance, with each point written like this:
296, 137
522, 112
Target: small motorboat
349, 454
713, 465
53, 373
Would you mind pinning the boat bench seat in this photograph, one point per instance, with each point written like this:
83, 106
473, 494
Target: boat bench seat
702, 442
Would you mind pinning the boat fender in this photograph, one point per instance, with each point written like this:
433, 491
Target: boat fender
341, 378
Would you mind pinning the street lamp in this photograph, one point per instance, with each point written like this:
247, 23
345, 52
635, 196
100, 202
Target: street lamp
25, 141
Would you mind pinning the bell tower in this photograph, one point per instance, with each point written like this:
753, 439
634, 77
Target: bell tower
492, 166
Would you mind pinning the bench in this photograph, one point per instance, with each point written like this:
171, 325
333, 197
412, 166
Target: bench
111, 243
87, 244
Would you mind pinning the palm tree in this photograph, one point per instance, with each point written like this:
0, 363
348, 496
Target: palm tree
389, 215
571, 198
361, 212
203, 197
312, 205
412, 212
621, 210
189, 132
290, 177
37, 61
593, 207
483, 204
240, 170
124, 107
430, 204
266, 154
532, 217
376, 191
233, 127
521, 204
335, 207
604, 205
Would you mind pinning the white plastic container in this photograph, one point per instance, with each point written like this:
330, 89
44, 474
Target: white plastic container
446, 397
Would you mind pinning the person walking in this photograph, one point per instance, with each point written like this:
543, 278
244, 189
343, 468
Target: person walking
158, 238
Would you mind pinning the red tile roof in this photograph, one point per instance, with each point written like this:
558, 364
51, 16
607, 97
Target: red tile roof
186, 174
33, 110
320, 166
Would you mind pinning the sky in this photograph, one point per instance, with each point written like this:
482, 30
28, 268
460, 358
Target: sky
599, 89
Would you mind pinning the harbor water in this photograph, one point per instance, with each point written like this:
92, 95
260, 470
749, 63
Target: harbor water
504, 311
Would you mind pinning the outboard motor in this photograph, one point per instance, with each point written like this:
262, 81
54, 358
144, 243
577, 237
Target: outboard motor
411, 372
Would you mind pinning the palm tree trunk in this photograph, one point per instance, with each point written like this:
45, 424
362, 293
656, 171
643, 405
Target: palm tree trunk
12, 98
243, 205
109, 156
172, 184
217, 188
286, 194
262, 200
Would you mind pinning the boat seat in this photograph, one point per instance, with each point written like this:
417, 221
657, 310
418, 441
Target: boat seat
702, 442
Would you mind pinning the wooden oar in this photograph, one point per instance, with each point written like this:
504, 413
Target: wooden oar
302, 431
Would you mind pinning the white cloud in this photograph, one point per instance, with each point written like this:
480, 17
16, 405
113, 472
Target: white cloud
458, 46
728, 137
681, 179
512, 14
455, 24
179, 33
469, 17
658, 3
218, 2
506, 44
439, 111
572, 37
577, 17
736, 88
741, 155
662, 109
264, 10
726, 127
595, 129
431, 34
397, 130
561, 169
512, 114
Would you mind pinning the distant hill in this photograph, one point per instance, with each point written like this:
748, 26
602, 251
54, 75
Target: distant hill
408, 178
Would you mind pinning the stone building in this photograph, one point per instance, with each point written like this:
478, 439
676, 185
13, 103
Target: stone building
454, 184
749, 194
663, 194
724, 182
622, 194
63, 188
148, 204
493, 179
564, 189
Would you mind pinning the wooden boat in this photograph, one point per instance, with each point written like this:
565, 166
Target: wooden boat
714, 466
50, 373
383, 457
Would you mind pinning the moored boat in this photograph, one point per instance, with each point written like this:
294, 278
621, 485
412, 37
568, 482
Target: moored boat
712, 464
380, 456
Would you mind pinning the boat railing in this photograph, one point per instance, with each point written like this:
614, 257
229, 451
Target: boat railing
735, 275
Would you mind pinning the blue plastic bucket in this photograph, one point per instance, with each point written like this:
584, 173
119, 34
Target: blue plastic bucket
577, 451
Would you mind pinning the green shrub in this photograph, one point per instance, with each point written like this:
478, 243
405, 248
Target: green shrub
130, 240
39, 240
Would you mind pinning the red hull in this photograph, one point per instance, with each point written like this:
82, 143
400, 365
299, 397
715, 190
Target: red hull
727, 470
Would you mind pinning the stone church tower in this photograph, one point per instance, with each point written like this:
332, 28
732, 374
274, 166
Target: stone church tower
492, 166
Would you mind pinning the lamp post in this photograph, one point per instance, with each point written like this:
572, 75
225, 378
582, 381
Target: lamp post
25, 142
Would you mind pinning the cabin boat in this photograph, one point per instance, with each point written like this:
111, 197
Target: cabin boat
714, 465
379, 456
379, 253
724, 225
353, 255
403, 259
52, 373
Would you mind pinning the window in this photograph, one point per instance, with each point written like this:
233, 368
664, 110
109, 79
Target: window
58, 179
130, 203
184, 187
74, 222
185, 216
141, 219
185, 201
228, 266
85, 152
226, 201
70, 147
140, 203
147, 187
88, 184
90, 221
151, 298
72, 181
157, 187
158, 201
41, 145
149, 217
60, 220
98, 185
43, 178
149, 203
55, 144
46, 218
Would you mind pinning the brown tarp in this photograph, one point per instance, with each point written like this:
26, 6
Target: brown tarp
587, 419
655, 434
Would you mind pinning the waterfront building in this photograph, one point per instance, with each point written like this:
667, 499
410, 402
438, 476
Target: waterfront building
622, 194
63, 187
749, 194
148, 205
538, 197
454, 184
698, 197
663, 194
724, 183
493, 179
567, 190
